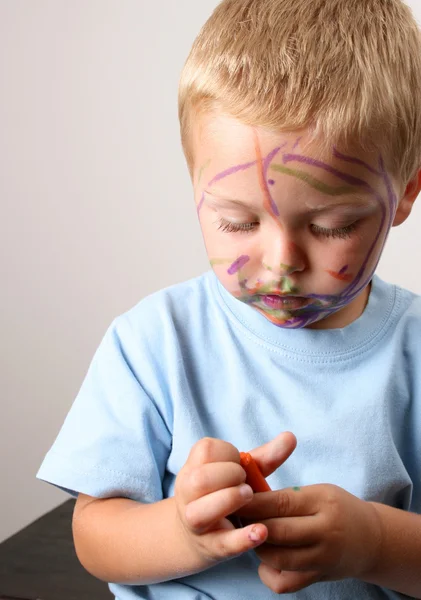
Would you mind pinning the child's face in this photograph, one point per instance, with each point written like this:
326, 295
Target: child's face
294, 234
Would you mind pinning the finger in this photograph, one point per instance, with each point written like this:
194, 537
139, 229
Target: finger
210, 477
204, 512
272, 455
306, 558
290, 502
223, 544
294, 531
208, 450
285, 582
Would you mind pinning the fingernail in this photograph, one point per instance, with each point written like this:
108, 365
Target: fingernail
254, 535
246, 491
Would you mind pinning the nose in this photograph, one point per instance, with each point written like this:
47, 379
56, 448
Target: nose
283, 256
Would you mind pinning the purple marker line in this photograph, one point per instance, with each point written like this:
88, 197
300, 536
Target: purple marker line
231, 171
238, 264
351, 289
356, 161
356, 286
236, 169
316, 163
343, 270
266, 165
353, 181
294, 323
199, 206
393, 200
222, 175
364, 265
297, 142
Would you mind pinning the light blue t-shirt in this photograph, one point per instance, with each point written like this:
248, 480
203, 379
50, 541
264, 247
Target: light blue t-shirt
192, 361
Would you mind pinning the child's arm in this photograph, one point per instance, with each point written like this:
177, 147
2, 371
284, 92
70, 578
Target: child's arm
123, 541
120, 540
398, 566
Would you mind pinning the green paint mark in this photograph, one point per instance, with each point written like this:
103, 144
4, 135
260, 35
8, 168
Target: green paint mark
220, 261
296, 489
284, 285
202, 169
287, 287
242, 280
287, 268
313, 182
265, 289
277, 312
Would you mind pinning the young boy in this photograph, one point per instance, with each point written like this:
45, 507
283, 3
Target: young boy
301, 125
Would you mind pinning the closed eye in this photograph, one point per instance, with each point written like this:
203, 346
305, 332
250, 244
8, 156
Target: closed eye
229, 227
335, 232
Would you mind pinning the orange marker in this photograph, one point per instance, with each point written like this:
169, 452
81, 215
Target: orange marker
254, 477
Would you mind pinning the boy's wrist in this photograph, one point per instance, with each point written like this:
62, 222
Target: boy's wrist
196, 558
376, 538
396, 565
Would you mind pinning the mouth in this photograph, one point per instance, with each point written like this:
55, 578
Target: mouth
281, 302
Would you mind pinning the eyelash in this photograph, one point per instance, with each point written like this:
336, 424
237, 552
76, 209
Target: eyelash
337, 232
229, 227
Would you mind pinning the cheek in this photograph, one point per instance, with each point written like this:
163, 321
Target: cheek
230, 275
234, 263
345, 253
349, 259
226, 246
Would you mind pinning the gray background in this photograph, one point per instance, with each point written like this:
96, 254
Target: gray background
96, 205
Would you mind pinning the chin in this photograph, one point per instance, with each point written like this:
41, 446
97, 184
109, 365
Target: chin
289, 321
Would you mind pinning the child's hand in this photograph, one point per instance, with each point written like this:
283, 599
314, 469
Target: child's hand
316, 533
210, 487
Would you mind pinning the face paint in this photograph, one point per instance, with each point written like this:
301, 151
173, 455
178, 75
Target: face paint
226, 173
285, 298
262, 168
202, 169
355, 161
238, 265
313, 182
342, 275
287, 269
219, 261
297, 143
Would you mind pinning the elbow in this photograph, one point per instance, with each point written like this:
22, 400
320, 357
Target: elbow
84, 544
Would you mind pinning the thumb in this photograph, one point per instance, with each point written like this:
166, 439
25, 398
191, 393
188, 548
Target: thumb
273, 454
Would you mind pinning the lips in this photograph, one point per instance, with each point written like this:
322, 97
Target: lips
277, 302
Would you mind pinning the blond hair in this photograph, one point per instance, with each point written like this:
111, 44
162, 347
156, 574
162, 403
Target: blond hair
349, 70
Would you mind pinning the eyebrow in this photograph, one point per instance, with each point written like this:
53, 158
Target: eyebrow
358, 202
228, 200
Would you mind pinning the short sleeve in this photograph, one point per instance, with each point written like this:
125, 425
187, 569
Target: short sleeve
116, 438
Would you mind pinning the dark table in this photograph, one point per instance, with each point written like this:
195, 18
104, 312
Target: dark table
40, 562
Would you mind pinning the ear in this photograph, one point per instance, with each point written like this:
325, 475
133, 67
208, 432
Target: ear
406, 202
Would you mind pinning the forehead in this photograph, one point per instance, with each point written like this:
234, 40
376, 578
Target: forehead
221, 142
225, 141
